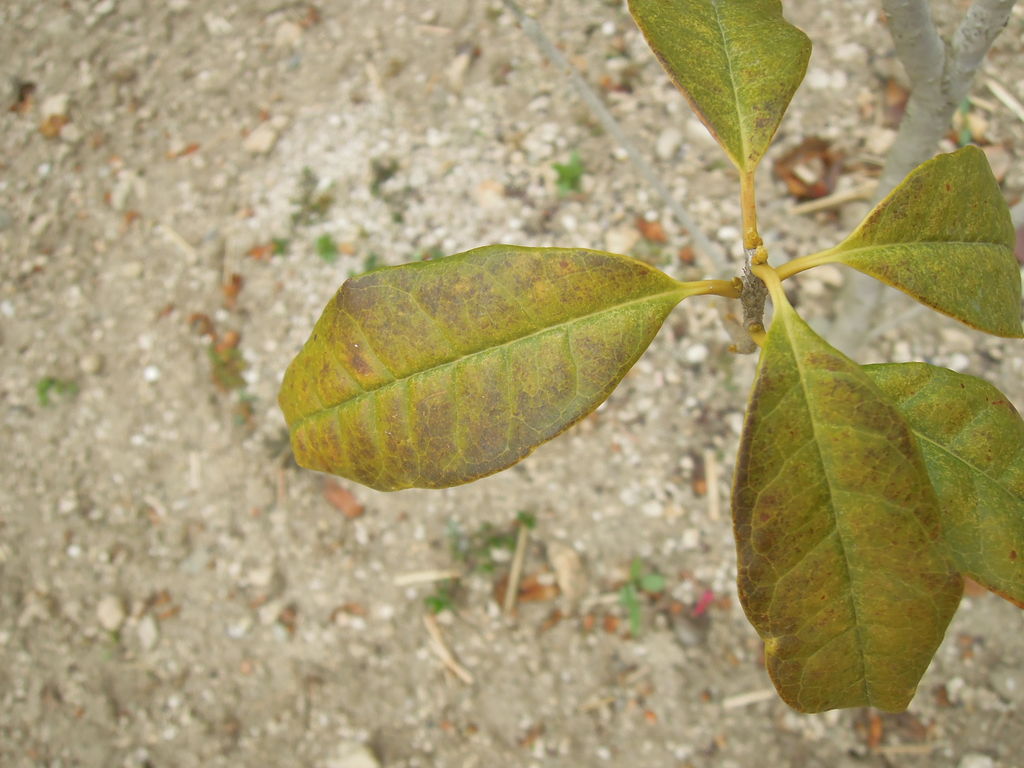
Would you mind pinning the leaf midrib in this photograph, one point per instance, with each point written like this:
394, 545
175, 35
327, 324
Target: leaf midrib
744, 145
835, 519
839, 251
680, 291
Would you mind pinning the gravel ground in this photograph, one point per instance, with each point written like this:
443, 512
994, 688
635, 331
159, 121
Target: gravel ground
175, 592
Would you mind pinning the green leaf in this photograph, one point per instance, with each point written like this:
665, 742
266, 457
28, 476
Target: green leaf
652, 582
837, 530
738, 62
326, 248
972, 440
944, 236
437, 373
570, 175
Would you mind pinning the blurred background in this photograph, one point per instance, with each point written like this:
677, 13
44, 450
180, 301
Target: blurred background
184, 185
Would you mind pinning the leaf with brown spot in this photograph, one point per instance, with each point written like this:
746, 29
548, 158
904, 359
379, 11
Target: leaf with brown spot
738, 62
840, 564
437, 373
972, 440
943, 236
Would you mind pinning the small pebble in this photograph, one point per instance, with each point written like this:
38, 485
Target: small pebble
621, 239
696, 354
1008, 682
151, 373
261, 140
110, 613
668, 143
148, 632
490, 194
976, 760
288, 35
91, 363
55, 106
352, 755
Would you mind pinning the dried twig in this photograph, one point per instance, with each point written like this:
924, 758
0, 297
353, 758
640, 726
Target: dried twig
172, 234
746, 699
516, 573
1006, 98
713, 259
437, 645
861, 192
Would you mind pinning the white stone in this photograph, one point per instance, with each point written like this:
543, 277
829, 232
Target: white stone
261, 140
621, 239
91, 363
110, 613
976, 760
818, 79
696, 354
55, 106
879, 139
490, 194
352, 755
668, 143
288, 35
217, 26
151, 373
148, 632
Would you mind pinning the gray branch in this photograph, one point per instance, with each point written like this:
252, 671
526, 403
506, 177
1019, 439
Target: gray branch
940, 75
712, 257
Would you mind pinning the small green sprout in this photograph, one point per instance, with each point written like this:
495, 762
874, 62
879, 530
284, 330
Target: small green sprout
52, 385
641, 581
570, 175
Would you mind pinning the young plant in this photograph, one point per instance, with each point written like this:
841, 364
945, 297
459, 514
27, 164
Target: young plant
641, 581
862, 494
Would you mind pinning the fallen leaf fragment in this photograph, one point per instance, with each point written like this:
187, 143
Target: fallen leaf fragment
231, 289
810, 170
342, 499
652, 231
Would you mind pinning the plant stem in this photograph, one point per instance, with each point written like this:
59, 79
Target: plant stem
941, 77
748, 205
801, 263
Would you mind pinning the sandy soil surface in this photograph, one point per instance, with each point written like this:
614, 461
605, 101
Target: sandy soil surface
175, 592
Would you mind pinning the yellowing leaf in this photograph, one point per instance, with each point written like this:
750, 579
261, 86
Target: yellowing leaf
437, 373
738, 62
837, 530
944, 236
972, 440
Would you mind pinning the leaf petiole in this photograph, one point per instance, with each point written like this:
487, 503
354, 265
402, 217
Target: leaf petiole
801, 263
724, 288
